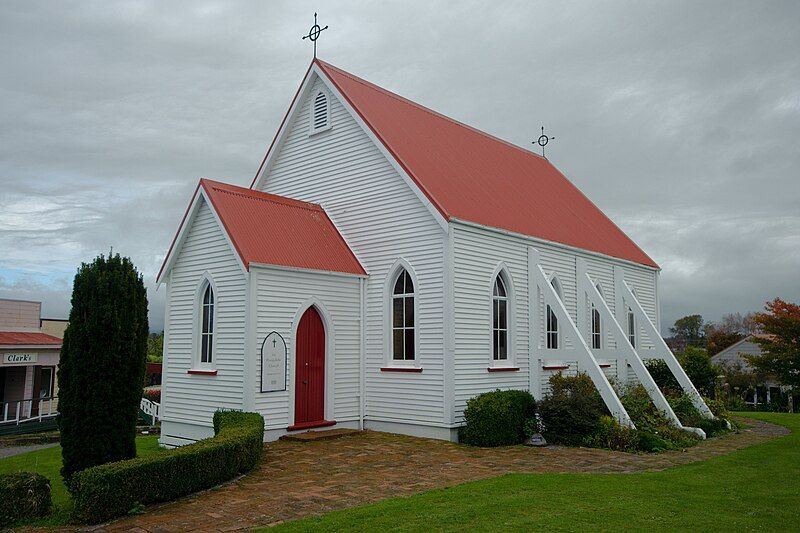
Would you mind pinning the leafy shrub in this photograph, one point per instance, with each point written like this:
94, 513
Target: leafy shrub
650, 442
688, 414
641, 409
497, 418
105, 491
611, 435
24, 495
663, 377
677, 437
735, 403
685, 410
572, 410
658, 433
701, 371
718, 407
101, 370
713, 427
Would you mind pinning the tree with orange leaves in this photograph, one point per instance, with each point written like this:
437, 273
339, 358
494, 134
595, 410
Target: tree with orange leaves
780, 346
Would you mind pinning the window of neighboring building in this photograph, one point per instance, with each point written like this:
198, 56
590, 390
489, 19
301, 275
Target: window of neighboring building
499, 320
46, 382
403, 348
631, 328
596, 335
207, 326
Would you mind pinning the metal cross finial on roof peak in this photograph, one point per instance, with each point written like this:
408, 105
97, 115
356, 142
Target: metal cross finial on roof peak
313, 34
543, 140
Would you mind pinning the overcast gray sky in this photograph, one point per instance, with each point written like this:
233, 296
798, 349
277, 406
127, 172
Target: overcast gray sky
681, 120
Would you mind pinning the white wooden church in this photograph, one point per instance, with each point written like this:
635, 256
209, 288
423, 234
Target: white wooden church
386, 265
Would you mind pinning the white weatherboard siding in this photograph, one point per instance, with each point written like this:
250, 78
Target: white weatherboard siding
382, 220
476, 255
643, 283
193, 399
281, 294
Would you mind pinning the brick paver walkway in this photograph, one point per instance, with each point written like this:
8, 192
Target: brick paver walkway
298, 479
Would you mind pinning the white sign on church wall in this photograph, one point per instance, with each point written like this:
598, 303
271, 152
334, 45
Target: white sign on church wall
20, 358
273, 363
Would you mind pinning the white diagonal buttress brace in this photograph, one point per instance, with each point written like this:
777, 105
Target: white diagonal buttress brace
586, 361
626, 352
663, 352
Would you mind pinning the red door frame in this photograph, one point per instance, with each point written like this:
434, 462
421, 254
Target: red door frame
309, 376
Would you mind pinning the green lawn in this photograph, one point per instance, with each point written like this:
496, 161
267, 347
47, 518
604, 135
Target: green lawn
757, 488
48, 463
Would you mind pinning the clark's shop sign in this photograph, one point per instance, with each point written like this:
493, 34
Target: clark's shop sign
19, 358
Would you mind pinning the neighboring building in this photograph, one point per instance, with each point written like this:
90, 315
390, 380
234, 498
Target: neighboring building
28, 361
734, 355
54, 326
389, 263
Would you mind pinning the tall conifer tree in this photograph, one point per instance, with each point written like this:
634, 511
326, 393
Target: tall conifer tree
102, 366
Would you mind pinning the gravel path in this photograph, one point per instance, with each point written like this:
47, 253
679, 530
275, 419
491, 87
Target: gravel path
16, 450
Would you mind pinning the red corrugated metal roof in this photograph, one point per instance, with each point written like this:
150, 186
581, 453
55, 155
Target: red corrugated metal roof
22, 338
274, 230
472, 176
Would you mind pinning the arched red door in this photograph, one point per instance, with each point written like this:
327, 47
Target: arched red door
309, 396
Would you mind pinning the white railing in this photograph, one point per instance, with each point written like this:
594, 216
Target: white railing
28, 410
152, 409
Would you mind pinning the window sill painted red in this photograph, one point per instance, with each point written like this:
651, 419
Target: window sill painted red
401, 369
311, 425
503, 369
556, 367
202, 372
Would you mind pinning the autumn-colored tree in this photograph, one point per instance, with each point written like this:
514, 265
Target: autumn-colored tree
732, 328
780, 347
719, 339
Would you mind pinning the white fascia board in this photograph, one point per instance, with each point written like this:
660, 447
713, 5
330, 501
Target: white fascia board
177, 244
538, 240
184, 231
224, 231
283, 131
316, 72
308, 270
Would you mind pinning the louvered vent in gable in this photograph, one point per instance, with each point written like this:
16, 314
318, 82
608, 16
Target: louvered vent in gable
320, 113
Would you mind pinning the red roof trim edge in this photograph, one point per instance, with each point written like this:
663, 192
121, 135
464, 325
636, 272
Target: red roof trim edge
389, 149
327, 69
29, 338
207, 183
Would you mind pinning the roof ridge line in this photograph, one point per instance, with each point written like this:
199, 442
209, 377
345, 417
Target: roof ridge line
263, 196
396, 96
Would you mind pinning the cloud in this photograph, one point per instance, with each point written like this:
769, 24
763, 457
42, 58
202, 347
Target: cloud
678, 119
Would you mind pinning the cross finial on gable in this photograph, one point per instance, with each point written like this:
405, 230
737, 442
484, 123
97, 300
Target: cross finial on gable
313, 34
543, 140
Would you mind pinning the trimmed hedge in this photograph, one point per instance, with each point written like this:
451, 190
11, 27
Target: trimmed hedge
497, 418
110, 490
24, 495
